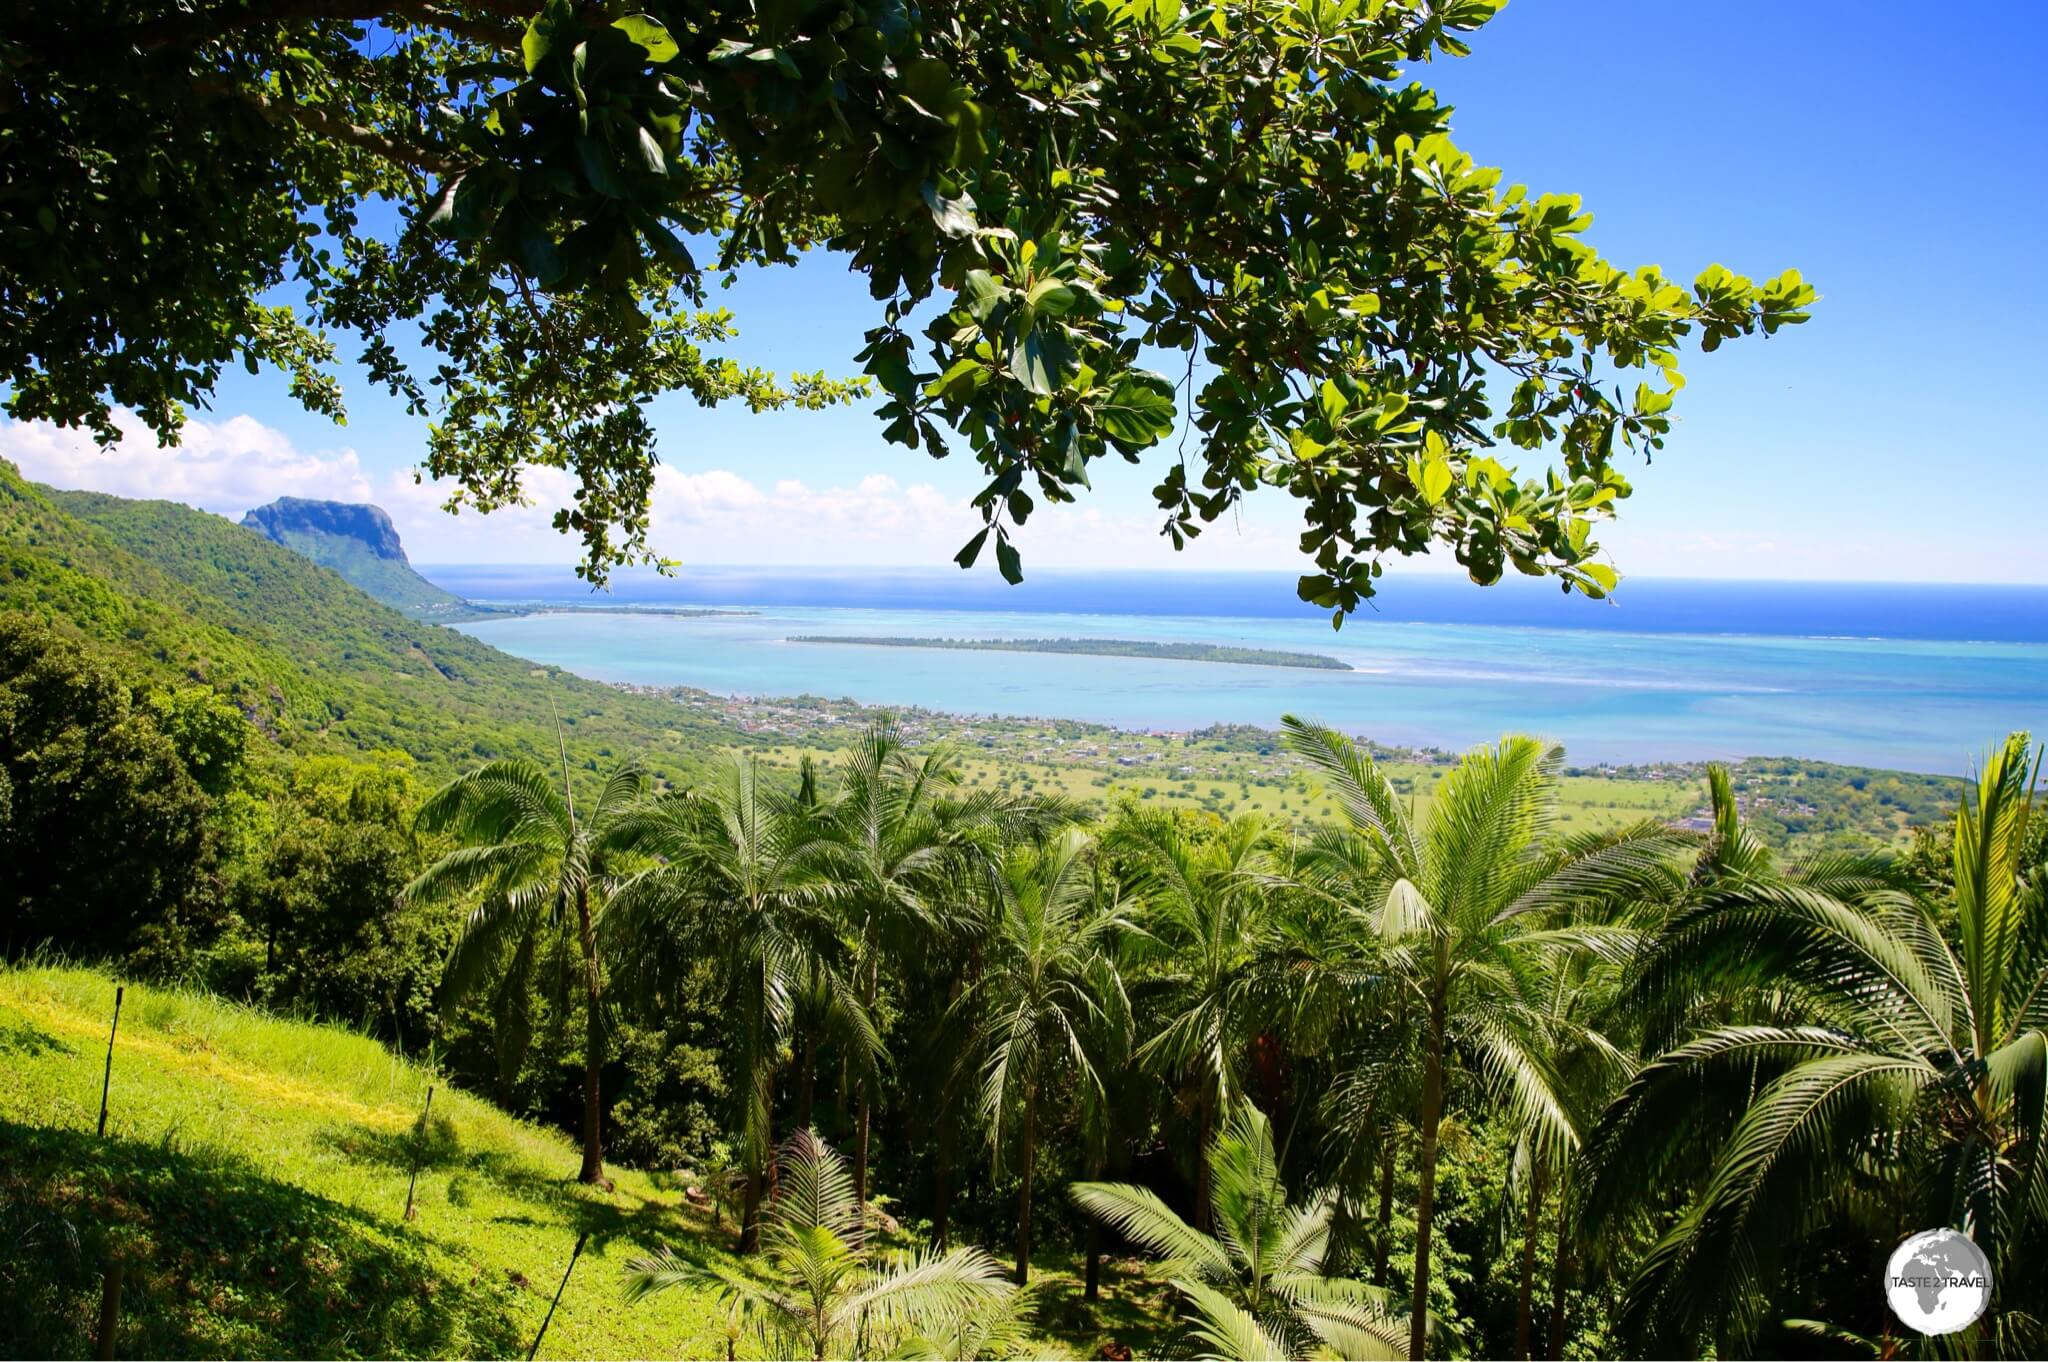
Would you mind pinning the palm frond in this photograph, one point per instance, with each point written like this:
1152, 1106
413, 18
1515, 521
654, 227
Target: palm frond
1225, 1329
1140, 1216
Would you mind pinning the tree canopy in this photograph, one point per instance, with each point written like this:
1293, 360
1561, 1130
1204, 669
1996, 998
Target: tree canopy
1042, 196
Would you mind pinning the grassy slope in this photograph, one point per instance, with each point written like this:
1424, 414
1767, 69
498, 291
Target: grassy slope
264, 1164
186, 596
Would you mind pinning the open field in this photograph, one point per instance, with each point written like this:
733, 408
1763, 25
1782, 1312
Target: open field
1274, 785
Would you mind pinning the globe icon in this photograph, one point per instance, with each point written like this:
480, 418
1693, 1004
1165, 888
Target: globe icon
1938, 1281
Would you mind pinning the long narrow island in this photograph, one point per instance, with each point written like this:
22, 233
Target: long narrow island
1099, 647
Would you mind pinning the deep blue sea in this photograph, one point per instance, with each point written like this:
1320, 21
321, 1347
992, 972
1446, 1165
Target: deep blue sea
1913, 677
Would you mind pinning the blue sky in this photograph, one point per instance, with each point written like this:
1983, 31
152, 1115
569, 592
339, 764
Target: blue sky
1892, 156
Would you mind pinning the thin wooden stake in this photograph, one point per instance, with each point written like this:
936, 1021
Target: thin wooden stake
110, 1308
106, 1079
534, 1351
424, 1111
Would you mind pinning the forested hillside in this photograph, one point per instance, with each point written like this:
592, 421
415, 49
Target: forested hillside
183, 597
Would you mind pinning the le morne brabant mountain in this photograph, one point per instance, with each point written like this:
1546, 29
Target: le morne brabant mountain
361, 544
178, 596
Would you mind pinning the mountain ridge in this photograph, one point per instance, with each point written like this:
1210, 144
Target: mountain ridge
179, 596
358, 541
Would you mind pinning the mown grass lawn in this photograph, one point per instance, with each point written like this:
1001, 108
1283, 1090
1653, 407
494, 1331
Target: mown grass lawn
254, 1177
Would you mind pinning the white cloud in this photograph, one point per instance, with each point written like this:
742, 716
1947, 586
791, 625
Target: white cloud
224, 466
708, 516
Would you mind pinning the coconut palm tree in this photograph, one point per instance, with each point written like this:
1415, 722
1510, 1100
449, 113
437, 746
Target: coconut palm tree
892, 855
1256, 1288
1205, 899
822, 1291
738, 869
544, 874
1036, 999
1588, 1069
1464, 905
1890, 1074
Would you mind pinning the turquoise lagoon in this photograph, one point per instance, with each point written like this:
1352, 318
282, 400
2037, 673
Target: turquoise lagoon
1607, 693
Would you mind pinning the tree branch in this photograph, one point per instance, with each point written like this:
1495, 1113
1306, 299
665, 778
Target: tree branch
506, 21
317, 120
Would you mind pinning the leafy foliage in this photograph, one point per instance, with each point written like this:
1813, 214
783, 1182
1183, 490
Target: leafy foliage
1032, 198
1875, 1067
822, 1291
1257, 1288
107, 844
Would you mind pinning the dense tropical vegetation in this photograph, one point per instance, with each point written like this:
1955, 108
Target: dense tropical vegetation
1427, 1076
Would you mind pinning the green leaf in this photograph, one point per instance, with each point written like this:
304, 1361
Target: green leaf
651, 35
952, 216
1334, 402
1436, 479
962, 378
1031, 361
1051, 297
650, 153
1008, 562
667, 244
548, 28
981, 291
966, 557
1139, 411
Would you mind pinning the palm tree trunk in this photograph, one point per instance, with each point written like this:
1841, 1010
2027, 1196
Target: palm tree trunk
1425, 1196
1385, 1232
1024, 1187
1203, 1120
593, 1048
1531, 1227
1560, 1275
860, 1151
807, 1078
1092, 1274
860, 1137
942, 1213
750, 1211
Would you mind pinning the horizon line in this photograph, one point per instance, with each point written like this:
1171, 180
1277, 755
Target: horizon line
946, 569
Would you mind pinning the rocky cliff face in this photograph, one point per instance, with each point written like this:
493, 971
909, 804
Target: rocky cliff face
367, 525
360, 543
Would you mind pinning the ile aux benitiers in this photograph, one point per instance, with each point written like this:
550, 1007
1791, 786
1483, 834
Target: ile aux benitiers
1022, 679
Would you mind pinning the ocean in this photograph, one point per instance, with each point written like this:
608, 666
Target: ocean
1910, 677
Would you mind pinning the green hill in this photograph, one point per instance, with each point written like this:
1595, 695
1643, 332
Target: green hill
360, 543
181, 595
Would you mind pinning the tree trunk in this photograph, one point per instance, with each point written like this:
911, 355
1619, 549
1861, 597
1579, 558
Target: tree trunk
750, 1211
1092, 1274
942, 1213
860, 1135
1560, 1274
1204, 1118
1385, 1233
1024, 1187
1425, 1196
806, 1079
593, 1050
860, 1151
1532, 1226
